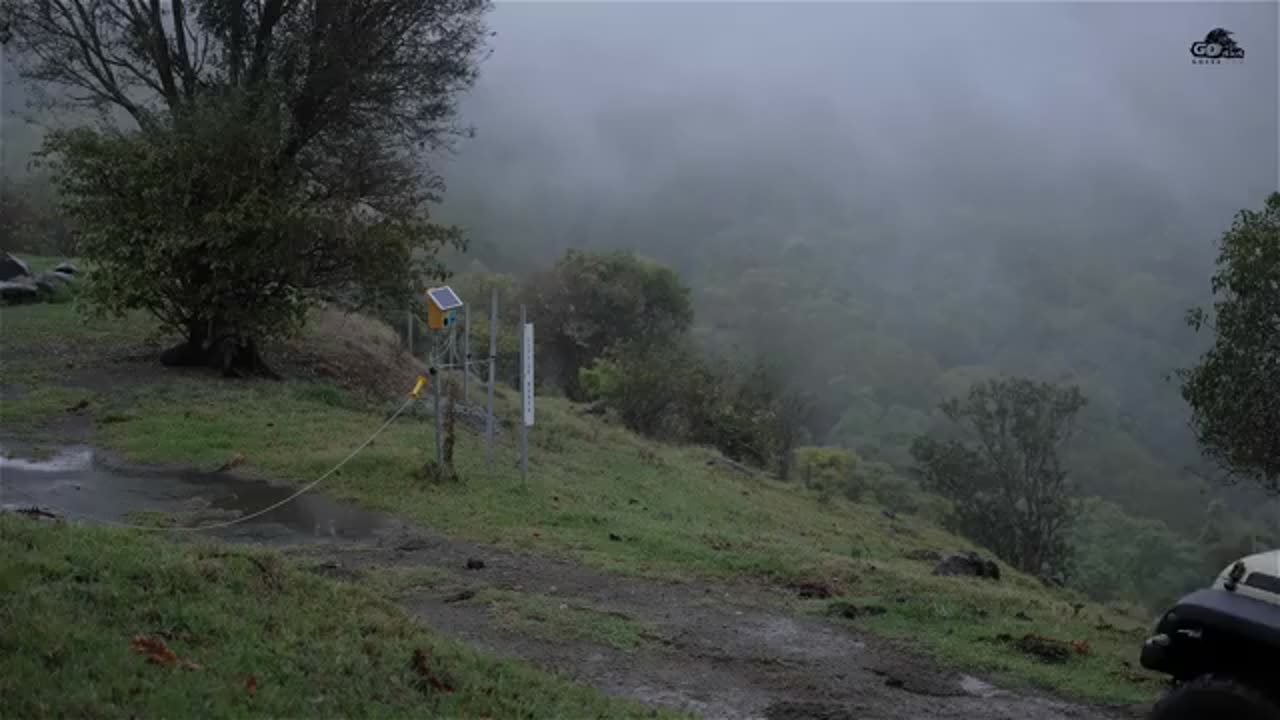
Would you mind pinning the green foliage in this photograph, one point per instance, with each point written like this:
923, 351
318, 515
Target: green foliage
830, 471
1004, 478
1234, 398
30, 221
1119, 557
252, 181
187, 224
676, 392
590, 303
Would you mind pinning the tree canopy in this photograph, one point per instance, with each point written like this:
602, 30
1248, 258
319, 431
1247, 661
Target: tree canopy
273, 153
1004, 474
1232, 390
590, 303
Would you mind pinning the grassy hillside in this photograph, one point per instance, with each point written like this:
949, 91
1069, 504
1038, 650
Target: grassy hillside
105, 623
596, 493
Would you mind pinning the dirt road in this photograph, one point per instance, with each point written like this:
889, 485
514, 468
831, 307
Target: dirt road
718, 651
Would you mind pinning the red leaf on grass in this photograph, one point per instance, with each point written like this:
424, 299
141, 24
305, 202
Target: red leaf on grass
159, 653
251, 684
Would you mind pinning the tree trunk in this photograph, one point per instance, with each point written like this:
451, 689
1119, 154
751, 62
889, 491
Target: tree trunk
229, 352
192, 350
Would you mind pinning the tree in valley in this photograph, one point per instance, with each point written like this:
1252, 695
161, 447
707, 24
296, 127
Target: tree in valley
1232, 390
1002, 472
252, 156
591, 303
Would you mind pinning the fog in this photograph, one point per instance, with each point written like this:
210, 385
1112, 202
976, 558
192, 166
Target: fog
891, 198
911, 112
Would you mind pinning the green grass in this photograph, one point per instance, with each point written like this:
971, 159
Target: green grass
73, 599
555, 619
610, 499
960, 621
66, 328
36, 405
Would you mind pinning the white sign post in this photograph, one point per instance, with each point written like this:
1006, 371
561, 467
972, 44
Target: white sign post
527, 383
526, 392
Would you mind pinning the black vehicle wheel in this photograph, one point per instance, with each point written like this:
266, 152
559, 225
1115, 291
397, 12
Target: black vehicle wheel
1214, 697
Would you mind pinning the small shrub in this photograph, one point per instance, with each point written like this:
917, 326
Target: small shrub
830, 471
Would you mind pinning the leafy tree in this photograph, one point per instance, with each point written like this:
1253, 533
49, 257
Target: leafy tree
271, 152
591, 302
1122, 557
1002, 473
1232, 391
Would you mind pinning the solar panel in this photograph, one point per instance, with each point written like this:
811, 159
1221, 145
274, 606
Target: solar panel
444, 298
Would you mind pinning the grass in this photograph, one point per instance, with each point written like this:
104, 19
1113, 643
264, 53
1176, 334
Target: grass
552, 618
613, 500
266, 640
26, 413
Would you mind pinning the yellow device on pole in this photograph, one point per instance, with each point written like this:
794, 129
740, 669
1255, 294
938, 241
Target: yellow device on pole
442, 307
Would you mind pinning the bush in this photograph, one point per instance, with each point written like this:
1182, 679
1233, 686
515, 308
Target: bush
830, 471
592, 303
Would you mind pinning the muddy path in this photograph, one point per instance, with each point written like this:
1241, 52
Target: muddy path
719, 651
715, 650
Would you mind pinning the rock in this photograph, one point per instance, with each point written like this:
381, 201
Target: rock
475, 564
12, 268
462, 596
13, 293
1047, 650
412, 545
849, 611
810, 589
971, 564
66, 268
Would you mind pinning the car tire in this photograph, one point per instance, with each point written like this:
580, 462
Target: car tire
1210, 697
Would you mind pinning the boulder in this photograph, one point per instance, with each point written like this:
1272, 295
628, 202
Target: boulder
13, 293
971, 564
12, 268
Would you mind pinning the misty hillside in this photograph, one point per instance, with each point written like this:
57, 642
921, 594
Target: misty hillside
894, 200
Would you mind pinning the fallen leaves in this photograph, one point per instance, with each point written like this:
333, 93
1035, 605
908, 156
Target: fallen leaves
1046, 649
158, 653
429, 679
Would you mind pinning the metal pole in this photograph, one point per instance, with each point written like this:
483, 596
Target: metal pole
493, 361
524, 429
466, 353
436, 378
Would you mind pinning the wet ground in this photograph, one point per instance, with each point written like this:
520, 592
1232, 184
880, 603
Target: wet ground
719, 651
83, 486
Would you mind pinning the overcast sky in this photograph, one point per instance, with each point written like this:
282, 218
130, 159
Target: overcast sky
981, 101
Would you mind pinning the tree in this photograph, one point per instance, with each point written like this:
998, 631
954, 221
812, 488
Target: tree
272, 153
592, 302
1002, 475
1232, 390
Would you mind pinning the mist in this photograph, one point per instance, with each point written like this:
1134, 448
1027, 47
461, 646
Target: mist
893, 198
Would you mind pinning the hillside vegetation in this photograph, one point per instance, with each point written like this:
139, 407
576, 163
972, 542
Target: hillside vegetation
596, 492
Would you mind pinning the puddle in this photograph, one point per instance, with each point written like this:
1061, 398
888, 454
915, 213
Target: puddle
72, 482
977, 688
